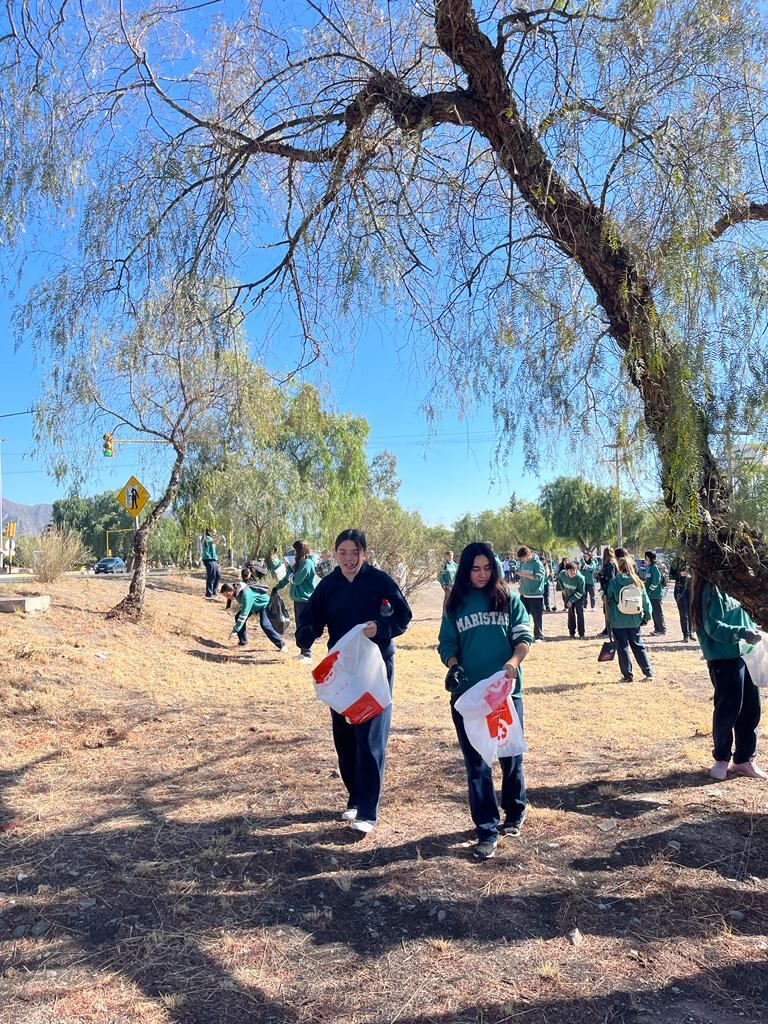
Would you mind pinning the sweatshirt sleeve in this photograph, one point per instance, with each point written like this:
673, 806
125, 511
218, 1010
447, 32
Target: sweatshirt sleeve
245, 610
396, 623
716, 626
448, 639
519, 623
647, 609
283, 582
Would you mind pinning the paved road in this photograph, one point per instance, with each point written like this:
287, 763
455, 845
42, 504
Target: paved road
25, 577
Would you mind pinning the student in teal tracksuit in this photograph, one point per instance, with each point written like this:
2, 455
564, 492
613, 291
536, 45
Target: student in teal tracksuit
532, 583
654, 584
626, 627
571, 584
485, 629
302, 579
588, 570
722, 626
250, 601
211, 563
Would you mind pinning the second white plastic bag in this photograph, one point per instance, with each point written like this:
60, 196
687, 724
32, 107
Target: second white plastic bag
491, 724
352, 678
756, 660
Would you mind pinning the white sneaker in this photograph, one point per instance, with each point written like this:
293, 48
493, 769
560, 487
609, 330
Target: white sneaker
361, 825
349, 815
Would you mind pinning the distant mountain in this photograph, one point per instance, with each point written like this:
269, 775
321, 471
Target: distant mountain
31, 519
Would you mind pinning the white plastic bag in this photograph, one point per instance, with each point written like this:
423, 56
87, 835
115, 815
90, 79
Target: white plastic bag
352, 678
756, 660
490, 719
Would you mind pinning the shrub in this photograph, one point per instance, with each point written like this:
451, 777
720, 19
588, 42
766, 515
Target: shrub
52, 553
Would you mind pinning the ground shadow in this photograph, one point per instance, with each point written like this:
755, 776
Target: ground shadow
588, 799
236, 657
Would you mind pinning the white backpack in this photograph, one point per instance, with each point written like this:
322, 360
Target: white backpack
630, 600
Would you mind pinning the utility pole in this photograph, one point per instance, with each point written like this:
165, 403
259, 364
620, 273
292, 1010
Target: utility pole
615, 446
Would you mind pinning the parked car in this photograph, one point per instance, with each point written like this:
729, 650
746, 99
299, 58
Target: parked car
109, 565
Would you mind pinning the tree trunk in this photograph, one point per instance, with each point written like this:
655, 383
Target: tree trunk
132, 605
728, 554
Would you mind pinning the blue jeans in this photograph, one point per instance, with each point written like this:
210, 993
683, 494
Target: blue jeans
212, 576
626, 638
362, 754
483, 805
266, 625
736, 714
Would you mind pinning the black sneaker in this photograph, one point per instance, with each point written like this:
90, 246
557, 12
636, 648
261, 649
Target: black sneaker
486, 849
512, 828
627, 679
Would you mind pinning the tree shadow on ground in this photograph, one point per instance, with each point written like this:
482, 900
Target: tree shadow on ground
607, 797
236, 657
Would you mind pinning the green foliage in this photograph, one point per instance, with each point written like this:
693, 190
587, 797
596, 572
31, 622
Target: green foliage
91, 517
581, 511
401, 543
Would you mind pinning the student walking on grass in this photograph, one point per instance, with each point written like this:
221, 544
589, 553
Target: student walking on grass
356, 592
532, 583
485, 629
302, 580
656, 587
572, 587
721, 626
248, 601
629, 608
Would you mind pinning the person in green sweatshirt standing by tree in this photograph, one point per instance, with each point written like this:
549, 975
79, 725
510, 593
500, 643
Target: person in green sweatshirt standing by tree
722, 627
572, 588
302, 581
211, 563
485, 630
447, 575
656, 587
532, 582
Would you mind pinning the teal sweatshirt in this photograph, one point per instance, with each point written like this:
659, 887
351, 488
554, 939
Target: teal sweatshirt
588, 571
209, 550
618, 619
447, 574
482, 640
654, 582
572, 588
248, 601
302, 580
724, 623
531, 575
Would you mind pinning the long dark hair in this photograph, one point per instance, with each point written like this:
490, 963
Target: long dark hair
302, 550
498, 595
609, 555
696, 599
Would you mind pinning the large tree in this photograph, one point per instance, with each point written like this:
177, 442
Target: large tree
564, 196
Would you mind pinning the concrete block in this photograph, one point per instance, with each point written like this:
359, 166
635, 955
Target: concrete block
32, 605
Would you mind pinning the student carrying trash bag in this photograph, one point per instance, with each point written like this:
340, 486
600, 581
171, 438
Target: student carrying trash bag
486, 630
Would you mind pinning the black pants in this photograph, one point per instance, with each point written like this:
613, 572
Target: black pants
298, 608
684, 611
590, 593
266, 625
576, 617
362, 754
736, 714
659, 624
535, 608
483, 805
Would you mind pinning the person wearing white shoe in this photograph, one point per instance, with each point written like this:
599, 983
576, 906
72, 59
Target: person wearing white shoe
354, 593
722, 626
302, 580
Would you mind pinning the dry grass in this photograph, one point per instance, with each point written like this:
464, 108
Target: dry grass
170, 849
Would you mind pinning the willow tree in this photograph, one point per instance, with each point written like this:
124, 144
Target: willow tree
564, 201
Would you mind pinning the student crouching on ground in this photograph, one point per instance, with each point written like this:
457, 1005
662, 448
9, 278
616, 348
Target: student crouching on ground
485, 630
629, 608
250, 601
356, 592
532, 582
721, 624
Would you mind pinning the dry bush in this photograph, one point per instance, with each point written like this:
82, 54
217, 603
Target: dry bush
51, 554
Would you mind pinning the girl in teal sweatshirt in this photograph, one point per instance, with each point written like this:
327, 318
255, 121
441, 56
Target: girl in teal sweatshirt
303, 580
485, 629
722, 626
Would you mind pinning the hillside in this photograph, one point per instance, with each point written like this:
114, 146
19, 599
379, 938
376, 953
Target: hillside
31, 519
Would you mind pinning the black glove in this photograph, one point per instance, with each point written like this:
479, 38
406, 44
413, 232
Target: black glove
273, 591
752, 637
455, 679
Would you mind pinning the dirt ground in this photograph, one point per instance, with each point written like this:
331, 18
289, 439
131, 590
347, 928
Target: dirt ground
170, 849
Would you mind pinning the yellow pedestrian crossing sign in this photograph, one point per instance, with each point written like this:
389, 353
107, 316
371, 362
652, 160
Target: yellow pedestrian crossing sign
133, 497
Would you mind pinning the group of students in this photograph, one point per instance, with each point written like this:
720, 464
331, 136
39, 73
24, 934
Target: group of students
486, 629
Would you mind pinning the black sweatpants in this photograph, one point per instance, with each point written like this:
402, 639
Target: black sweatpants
576, 617
736, 713
535, 608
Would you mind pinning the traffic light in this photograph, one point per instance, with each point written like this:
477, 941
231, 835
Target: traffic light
107, 448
